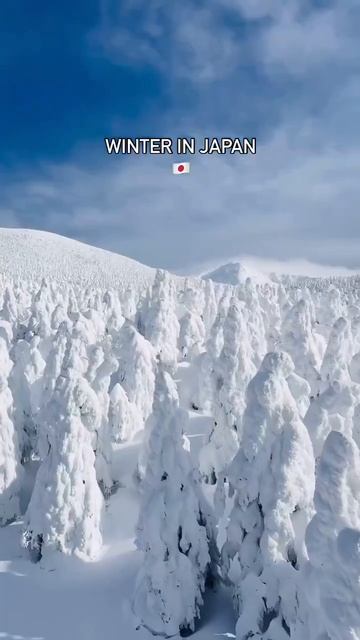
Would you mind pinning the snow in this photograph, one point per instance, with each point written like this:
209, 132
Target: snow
263, 270
95, 597
234, 273
29, 254
177, 455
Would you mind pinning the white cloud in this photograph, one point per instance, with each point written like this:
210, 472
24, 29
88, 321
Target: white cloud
204, 44
185, 39
300, 44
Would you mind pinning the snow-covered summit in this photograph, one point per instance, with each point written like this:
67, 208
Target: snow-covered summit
28, 254
233, 273
295, 273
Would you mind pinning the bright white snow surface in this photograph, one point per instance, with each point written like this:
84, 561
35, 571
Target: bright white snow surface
177, 455
28, 254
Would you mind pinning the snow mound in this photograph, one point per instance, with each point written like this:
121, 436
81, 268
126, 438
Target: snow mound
234, 273
28, 254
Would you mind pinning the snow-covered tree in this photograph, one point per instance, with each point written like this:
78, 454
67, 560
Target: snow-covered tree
205, 385
136, 372
39, 325
299, 341
338, 354
332, 579
10, 467
192, 335
331, 410
273, 479
161, 323
192, 297
128, 303
331, 308
26, 383
249, 293
58, 316
101, 384
301, 392
233, 371
210, 305
124, 417
9, 311
66, 505
271, 311
171, 530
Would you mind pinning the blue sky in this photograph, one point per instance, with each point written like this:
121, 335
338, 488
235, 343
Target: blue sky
286, 71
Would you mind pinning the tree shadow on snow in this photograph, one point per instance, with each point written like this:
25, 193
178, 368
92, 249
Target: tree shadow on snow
217, 614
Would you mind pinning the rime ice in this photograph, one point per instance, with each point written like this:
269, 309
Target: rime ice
207, 411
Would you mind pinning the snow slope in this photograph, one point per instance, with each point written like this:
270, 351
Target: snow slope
27, 254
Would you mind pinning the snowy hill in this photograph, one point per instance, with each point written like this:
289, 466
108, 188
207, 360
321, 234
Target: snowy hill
292, 273
28, 254
234, 273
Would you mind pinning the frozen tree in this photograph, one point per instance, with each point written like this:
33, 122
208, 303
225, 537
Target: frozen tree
95, 354
66, 505
54, 361
7, 333
171, 530
112, 313
332, 580
270, 306
192, 335
111, 304
299, 341
9, 310
136, 372
161, 323
58, 316
210, 305
255, 320
331, 308
101, 384
204, 390
301, 392
26, 383
331, 410
124, 418
39, 325
354, 368
72, 305
128, 303
338, 354
10, 467
235, 366
193, 297
273, 479
233, 371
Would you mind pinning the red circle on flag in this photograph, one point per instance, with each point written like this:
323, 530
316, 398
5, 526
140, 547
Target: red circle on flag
181, 167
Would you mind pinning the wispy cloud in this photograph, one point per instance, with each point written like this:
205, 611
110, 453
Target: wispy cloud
188, 40
200, 42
